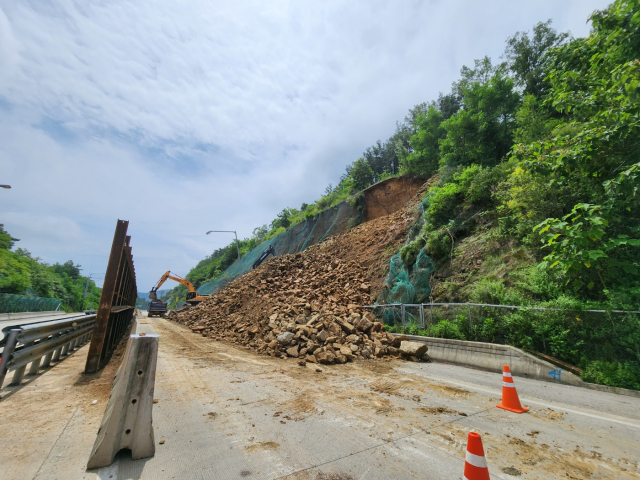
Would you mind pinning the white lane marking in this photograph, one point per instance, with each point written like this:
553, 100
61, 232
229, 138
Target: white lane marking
523, 400
109, 473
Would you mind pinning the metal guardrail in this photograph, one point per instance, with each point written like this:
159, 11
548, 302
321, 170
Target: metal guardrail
468, 305
51, 340
117, 301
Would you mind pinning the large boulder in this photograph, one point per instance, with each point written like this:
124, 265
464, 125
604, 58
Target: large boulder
413, 349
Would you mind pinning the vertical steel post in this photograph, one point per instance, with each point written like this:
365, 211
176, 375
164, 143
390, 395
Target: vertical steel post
432, 313
106, 298
422, 324
9, 347
402, 313
470, 324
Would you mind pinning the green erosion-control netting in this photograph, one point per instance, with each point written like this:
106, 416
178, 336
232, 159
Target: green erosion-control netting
22, 303
296, 239
408, 284
411, 284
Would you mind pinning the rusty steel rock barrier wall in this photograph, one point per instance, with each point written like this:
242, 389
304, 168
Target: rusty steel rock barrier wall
117, 301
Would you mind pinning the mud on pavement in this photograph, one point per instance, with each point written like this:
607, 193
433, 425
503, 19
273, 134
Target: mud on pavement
277, 408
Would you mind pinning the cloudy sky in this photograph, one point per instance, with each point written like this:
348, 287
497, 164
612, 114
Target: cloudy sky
187, 116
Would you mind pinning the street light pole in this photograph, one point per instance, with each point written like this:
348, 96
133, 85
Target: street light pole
228, 231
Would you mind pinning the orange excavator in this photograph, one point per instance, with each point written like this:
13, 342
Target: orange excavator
193, 297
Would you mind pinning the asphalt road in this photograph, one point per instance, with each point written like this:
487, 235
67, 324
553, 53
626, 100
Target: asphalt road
226, 413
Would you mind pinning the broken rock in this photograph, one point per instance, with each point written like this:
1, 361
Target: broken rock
285, 338
413, 349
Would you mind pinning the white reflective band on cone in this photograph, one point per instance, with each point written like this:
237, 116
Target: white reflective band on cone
476, 460
506, 374
510, 385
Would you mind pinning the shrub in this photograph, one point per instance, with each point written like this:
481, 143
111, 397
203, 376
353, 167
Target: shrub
443, 203
409, 253
438, 243
614, 374
445, 329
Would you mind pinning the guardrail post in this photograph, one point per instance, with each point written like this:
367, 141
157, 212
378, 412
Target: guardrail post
127, 421
422, 324
18, 375
65, 350
9, 347
35, 366
56, 354
402, 312
47, 360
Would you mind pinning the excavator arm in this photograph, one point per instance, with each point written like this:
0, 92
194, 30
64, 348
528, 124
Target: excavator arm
172, 276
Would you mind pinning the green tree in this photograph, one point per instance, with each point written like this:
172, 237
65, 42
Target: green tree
362, 174
6, 240
595, 86
425, 158
482, 132
528, 56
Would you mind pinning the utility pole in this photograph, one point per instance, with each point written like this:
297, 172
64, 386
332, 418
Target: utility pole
228, 231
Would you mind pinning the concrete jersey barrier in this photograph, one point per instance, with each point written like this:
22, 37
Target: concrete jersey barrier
491, 357
127, 421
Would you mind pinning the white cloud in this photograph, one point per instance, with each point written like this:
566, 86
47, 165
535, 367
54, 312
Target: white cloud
187, 116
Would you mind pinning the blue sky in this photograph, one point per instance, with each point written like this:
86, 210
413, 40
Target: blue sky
183, 117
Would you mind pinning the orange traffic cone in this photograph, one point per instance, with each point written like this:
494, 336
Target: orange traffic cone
475, 465
510, 400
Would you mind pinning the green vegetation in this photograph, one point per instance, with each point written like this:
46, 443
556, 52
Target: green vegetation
539, 183
544, 148
23, 274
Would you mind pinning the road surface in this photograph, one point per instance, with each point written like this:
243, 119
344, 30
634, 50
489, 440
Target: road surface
226, 413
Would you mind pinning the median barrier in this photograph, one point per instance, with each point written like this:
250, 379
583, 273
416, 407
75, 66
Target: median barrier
127, 421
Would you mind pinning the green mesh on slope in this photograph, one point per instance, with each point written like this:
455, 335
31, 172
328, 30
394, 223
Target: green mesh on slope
299, 237
408, 285
23, 303
399, 286
420, 273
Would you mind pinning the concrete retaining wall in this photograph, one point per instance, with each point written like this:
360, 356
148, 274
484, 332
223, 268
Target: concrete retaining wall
491, 357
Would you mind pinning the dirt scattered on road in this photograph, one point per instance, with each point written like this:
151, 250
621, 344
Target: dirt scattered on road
437, 410
262, 446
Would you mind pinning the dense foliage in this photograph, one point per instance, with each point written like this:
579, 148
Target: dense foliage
21, 273
544, 148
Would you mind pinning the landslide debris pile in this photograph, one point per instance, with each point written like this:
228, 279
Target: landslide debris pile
304, 306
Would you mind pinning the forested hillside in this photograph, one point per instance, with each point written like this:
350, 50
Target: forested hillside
23, 274
540, 151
